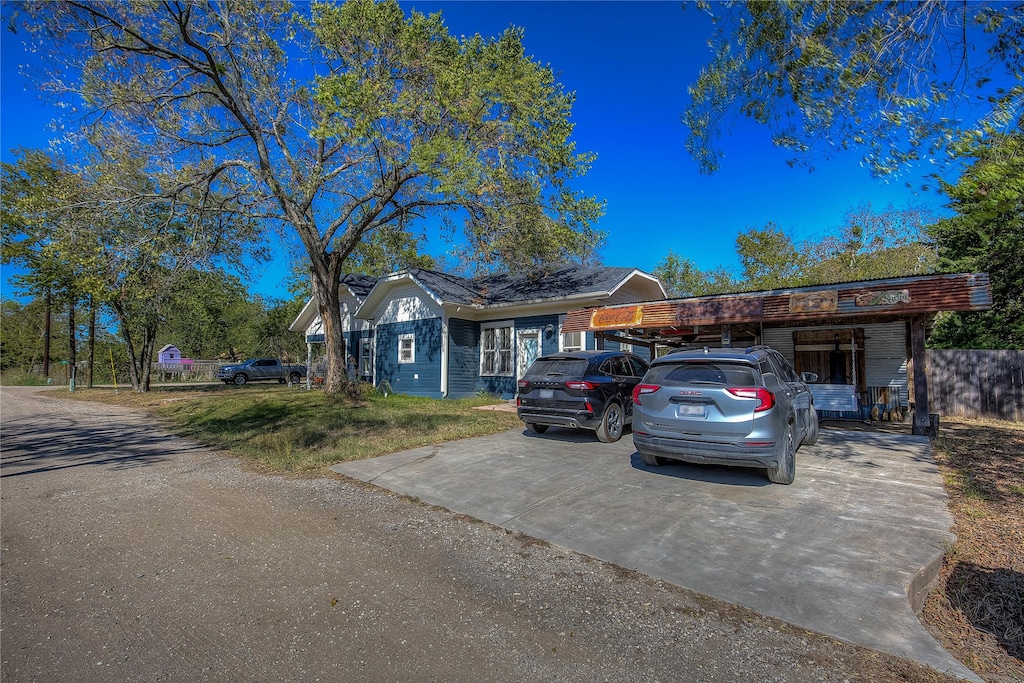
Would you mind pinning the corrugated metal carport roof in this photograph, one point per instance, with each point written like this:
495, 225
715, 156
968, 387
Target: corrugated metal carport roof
866, 299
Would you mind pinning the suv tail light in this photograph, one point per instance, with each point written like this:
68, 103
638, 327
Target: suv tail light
765, 398
641, 389
523, 383
580, 385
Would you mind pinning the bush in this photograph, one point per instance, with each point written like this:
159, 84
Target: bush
16, 377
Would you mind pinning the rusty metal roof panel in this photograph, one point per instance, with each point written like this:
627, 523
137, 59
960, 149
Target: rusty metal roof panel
888, 298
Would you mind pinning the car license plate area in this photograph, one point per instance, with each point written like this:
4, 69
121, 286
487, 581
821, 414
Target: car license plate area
547, 393
690, 410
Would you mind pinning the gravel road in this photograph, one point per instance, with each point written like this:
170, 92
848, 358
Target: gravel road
131, 555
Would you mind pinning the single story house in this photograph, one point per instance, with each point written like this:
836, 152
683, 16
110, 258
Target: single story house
428, 333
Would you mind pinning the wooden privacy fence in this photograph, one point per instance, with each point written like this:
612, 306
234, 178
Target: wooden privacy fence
975, 383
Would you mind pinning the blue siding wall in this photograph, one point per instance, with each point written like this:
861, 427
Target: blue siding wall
463, 358
464, 378
352, 348
506, 386
548, 343
421, 378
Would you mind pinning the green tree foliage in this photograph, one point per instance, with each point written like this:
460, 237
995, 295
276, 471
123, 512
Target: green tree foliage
869, 244
872, 244
209, 316
21, 334
21, 343
271, 336
388, 251
109, 236
47, 230
682, 278
894, 79
986, 235
336, 121
769, 258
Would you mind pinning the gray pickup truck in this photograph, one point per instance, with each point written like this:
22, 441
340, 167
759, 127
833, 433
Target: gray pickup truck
261, 370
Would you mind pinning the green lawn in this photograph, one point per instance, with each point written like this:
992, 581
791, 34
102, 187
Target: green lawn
285, 429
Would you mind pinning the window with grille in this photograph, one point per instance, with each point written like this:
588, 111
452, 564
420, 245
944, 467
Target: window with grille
407, 348
365, 356
496, 349
572, 341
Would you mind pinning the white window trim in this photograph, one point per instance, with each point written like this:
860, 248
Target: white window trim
561, 338
366, 356
582, 344
411, 338
499, 324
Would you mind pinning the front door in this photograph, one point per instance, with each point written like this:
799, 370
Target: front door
527, 350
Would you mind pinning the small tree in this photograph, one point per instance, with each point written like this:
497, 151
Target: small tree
769, 258
682, 278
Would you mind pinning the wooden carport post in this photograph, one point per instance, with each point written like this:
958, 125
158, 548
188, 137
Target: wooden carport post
922, 420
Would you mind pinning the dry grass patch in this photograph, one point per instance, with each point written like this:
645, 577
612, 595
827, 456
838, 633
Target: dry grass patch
283, 429
977, 608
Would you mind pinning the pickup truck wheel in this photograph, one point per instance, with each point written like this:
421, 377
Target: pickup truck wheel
240, 379
294, 378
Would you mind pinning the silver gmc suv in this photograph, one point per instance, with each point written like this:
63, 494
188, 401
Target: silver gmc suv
742, 407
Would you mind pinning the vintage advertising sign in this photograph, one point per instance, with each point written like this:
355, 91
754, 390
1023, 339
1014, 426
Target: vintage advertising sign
814, 302
617, 318
717, 310
890, 297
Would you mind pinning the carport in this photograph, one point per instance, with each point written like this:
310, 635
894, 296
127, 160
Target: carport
865, 341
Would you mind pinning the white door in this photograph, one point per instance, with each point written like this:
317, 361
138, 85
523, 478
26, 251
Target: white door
527, 350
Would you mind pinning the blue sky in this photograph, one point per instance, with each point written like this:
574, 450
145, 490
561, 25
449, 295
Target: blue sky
629, 64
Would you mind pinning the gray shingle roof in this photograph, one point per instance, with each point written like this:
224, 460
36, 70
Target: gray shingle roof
505, 288
359, 285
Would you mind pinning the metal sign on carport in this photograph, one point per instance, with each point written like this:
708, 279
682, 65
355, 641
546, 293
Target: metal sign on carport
729, 317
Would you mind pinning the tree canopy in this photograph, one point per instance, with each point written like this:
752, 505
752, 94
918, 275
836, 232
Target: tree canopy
986, 235
899, 81
868, 244
334, 122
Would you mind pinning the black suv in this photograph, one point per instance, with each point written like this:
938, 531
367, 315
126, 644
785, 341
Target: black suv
582, 390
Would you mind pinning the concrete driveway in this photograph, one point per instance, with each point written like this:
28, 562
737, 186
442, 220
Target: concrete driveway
847, 550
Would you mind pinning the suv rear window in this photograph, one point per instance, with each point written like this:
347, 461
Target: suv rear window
702, 373
568, 367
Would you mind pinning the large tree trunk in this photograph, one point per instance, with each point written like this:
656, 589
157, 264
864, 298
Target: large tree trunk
326, 278
327, 290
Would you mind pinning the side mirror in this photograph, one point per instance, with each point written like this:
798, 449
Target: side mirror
809, 377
